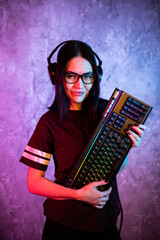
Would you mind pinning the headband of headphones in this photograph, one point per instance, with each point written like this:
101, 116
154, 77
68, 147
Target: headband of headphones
52, 66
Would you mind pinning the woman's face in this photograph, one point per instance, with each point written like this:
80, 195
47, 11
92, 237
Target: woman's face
77, 92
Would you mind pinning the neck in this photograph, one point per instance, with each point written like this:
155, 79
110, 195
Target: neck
75, 106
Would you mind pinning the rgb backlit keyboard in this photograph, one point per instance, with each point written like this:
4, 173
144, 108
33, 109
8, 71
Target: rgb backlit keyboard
109, 145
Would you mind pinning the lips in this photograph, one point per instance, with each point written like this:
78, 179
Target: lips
78, 94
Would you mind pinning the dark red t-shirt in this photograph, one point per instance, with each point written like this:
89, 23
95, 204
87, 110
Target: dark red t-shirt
65, 141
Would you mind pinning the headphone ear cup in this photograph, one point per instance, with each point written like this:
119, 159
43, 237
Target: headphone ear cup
52, 71
100, 72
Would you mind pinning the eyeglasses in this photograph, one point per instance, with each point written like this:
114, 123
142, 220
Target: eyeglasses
87, 78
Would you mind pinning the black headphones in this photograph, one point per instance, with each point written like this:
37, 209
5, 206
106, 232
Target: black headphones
52, 66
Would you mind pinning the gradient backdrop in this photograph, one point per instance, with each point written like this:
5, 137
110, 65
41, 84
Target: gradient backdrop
126, 36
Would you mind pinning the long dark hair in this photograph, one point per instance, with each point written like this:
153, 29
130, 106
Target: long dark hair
61, 103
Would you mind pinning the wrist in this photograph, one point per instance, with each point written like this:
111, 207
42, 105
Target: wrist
77, 194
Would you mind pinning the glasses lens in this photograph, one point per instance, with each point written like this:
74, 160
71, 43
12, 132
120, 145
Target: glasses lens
71, 77
88, 78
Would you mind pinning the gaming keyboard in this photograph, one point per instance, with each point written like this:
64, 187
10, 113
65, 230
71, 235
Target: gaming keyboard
109, 145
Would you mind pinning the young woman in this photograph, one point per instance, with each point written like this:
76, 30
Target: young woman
63, 131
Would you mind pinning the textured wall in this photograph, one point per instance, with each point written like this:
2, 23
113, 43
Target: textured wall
126, 35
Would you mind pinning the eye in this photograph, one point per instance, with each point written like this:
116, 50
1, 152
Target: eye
70, 76
88, 76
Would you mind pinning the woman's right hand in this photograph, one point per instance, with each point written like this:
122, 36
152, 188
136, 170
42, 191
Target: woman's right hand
91, 195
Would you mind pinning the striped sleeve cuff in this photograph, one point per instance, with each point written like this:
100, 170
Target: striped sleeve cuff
35, 158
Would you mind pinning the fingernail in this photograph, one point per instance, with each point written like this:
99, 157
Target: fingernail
128, 132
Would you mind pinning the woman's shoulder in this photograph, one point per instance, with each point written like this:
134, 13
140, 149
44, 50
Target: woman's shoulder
49, 116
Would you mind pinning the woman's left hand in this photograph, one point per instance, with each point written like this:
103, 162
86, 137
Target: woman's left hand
137, 137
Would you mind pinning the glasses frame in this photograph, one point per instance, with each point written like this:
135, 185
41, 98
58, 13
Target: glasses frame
79, 76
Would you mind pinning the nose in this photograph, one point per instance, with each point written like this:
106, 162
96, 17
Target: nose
79, 83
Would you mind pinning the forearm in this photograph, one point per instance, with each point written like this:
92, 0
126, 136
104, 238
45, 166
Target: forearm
40, 185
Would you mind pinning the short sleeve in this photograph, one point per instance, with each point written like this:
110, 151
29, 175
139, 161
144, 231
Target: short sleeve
38, 151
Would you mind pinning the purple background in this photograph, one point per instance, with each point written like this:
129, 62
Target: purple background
126, 36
